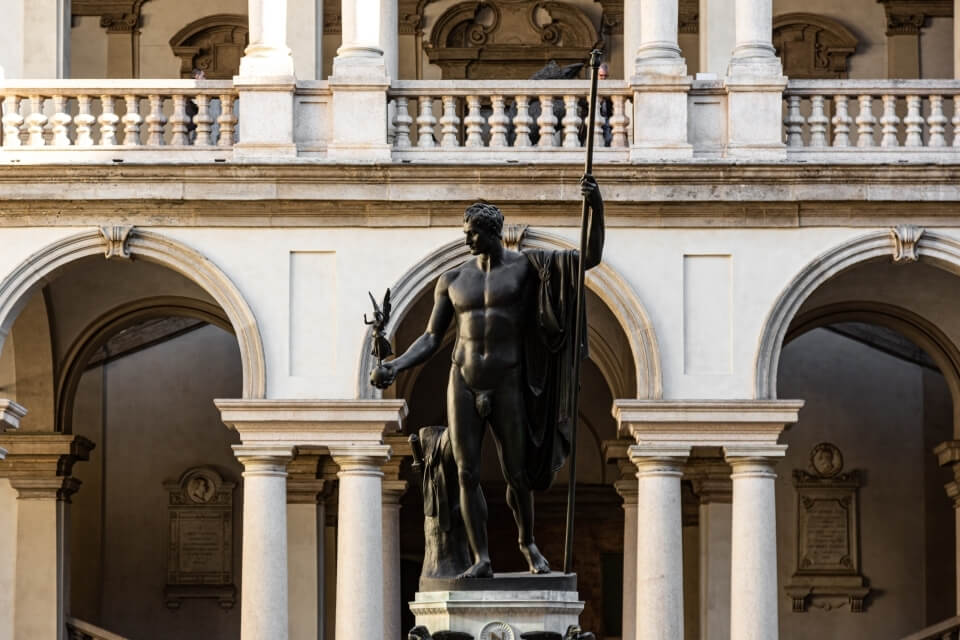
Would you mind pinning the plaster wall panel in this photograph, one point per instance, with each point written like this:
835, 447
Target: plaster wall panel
707, 314
8, 554
88, 48
161, 20
871, 405
867, 21
936, 49
313, 318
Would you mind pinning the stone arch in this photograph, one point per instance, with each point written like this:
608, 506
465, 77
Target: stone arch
902, 244
213, 44
109, 324
31, 274
608, 285
914, 327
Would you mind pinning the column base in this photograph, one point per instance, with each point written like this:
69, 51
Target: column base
266, 121
660, 118
503, 611
259, 61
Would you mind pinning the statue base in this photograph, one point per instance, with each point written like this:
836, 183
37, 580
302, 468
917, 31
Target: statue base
504, 606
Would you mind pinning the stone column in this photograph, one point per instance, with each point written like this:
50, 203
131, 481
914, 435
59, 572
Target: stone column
948, 454
305, 37
658, 51
46, 38
393, 491
659, 603
38, 466
956, 41
264, 602
360, 611
305, 514
627, 489
717, 25
710, 480
267, 55
753, 584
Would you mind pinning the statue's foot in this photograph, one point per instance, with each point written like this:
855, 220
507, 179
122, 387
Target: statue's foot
481, 569
538, 564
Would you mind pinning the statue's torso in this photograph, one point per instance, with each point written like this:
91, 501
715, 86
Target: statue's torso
491, 310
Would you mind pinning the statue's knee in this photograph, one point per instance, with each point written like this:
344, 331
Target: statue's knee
518, 481
468, 479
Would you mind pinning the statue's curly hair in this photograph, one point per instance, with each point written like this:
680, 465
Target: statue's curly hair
486, 216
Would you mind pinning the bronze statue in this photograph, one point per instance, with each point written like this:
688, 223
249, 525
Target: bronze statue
515, 349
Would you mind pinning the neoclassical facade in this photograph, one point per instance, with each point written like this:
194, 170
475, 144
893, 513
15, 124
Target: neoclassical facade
195, 199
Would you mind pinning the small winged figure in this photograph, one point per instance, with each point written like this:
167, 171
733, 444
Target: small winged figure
381, 316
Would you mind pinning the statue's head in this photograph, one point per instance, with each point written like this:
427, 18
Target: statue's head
483, 227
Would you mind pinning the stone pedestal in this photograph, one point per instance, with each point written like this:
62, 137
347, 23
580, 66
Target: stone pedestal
504, 606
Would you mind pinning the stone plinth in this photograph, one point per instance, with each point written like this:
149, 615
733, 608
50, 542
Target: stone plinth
509, 603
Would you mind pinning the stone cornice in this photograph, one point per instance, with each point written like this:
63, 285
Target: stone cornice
39, 464
116, 16
10, 415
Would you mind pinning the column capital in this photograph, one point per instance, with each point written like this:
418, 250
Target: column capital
39, 464
664, 460
365, 459
393, 491
263, 459
746, 453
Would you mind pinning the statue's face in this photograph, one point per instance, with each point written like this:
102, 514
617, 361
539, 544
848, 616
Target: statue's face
479, 240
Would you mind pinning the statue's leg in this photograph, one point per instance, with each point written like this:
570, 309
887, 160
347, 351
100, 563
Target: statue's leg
466, 440
508, 422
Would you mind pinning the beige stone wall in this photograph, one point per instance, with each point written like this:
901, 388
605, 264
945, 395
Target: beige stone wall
8, 546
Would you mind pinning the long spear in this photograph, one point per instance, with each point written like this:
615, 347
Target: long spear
574, 408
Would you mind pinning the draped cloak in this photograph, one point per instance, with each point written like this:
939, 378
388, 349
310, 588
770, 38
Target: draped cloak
549, 352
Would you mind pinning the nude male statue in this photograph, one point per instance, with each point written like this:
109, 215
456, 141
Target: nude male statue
514, 314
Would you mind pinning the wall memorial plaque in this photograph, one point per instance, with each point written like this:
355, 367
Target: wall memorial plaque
200, 543
827, 574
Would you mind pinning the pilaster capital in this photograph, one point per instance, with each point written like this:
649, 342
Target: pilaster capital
393, 491
360, 460
754, 461
709, 480
304, 484
39, 464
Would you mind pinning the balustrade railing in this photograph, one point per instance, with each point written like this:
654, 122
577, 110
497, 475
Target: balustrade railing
80, 630
115, 115
949, 629
490, 116
875, 117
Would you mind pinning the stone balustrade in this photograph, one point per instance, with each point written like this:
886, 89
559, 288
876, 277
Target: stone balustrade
430, 119
107, 117
867, 120
949, 629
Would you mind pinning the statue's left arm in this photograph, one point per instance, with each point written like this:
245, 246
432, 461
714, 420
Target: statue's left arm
595, 231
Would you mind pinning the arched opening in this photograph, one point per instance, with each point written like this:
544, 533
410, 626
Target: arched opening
871, 347
623, 363
129, 354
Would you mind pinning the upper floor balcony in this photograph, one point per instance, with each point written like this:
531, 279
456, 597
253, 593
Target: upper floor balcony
449, 82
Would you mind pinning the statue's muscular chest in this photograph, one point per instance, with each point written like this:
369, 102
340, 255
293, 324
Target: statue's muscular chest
502, 287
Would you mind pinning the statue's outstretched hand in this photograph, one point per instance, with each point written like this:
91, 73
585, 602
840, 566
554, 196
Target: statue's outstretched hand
383, 376
590, 190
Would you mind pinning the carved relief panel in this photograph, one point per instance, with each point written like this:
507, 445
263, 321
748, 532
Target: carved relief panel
827, 573
812, 46
509, 39
200, 538
213, 44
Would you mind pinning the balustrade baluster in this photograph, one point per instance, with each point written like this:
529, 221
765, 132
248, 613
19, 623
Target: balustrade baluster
402, 122
522, 122
35, 122
794, 122
890, 122
937, 123
12, 121
131, 121
547, 122
914, 122
449, 123
818, 122
618, 123
425, 123
108, 122
956, 120
84, 121
474, 122
865, 122
628, 112
498, 122
203, 121
841, 122
226, 121
179, 121
61, 121
156, 120
571, 122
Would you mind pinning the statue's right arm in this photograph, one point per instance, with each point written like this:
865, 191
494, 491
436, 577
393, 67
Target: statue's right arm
429, 343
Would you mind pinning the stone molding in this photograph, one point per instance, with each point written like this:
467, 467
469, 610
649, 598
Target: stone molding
681, 424
612, 288
709, 479
116, 16
812, 46
39, 464
16, 287
340, 427
931, 247
905, 239
907, 17
11, 414
304, 482
209, 42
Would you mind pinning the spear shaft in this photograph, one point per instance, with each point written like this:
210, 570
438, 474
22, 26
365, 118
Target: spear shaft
575, 401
